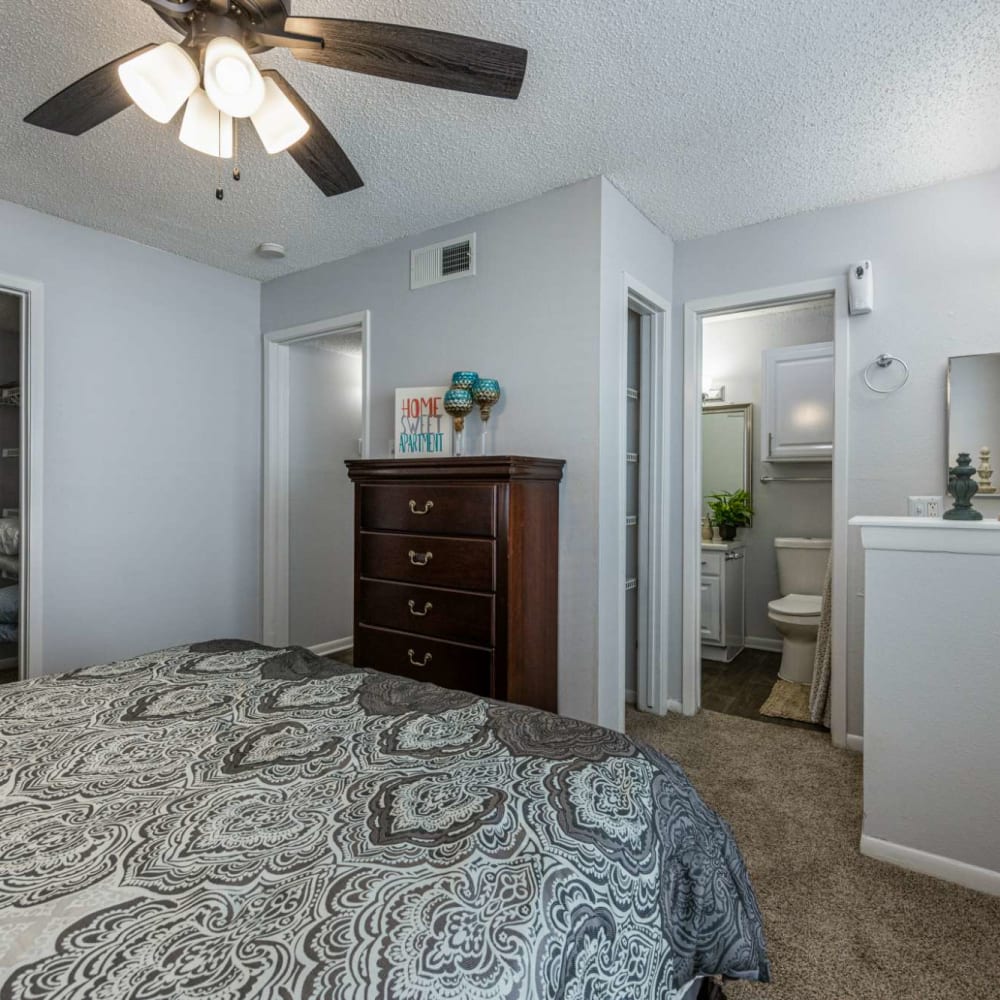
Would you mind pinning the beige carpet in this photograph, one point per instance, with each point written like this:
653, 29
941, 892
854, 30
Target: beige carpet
839, 926
788, 700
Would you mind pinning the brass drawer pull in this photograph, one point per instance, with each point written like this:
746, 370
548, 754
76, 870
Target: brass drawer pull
420, 558
420, 614
427, 508
427, 658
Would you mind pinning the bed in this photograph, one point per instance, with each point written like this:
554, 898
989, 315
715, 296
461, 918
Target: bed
226, 820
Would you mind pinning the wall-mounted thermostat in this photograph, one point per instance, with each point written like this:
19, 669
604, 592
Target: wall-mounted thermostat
860, 289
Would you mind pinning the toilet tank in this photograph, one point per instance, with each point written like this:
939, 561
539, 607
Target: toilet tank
802, 564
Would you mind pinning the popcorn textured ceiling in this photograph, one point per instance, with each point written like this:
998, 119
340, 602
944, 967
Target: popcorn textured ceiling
707, 114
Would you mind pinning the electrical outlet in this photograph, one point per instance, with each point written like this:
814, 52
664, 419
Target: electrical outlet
924, 506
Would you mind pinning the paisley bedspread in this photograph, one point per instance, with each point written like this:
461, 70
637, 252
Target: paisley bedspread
225, 820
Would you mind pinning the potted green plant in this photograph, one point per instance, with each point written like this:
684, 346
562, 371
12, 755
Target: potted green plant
730, 511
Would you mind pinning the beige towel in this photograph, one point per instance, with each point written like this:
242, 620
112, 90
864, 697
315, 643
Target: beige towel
819, 693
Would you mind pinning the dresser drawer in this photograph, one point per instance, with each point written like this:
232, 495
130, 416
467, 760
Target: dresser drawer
464, 563
445, 614
445, 510
449, 664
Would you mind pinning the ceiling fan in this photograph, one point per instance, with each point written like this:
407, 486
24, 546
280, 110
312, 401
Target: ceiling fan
211, 72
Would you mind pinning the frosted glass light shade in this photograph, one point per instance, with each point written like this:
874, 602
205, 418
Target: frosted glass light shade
278, 122
206, 128
232, 80
160, 81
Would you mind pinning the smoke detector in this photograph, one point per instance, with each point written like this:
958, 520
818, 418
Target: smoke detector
271, 251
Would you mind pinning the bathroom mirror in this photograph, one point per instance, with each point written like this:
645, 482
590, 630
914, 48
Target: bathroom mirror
974, 418
726, 448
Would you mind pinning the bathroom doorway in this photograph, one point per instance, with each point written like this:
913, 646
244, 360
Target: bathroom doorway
764, 483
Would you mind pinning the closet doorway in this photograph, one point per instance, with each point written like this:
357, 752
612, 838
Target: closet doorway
20, 474
316, 417
641, 530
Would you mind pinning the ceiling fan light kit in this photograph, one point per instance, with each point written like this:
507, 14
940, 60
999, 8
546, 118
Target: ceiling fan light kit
277, 121
232, 79
214, 72
207, 129
160, 81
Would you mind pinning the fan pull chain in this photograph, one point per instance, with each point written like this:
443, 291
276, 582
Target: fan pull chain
220, 191
236, 149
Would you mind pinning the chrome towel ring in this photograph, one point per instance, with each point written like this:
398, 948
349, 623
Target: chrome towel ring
884, 361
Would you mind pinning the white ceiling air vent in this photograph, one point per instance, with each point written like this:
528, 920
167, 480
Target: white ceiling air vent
443, 262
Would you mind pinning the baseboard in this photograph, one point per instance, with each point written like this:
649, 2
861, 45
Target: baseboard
855, 743
972, 877
631, 698
760, 642
335, 646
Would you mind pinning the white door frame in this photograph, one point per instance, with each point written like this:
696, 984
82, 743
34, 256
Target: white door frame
694, 313
277, 388
651, 693
31, 661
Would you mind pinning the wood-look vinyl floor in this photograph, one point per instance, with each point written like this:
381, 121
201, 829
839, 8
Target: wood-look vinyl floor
740, 688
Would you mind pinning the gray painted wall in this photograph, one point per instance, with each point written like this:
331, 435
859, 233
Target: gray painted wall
152, 443
323, 430
530, 317
731, 353
936, 260
630, 246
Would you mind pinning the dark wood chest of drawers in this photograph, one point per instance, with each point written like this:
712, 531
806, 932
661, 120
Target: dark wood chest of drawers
456, 573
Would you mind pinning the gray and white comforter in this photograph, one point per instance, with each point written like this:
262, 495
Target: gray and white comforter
223, 821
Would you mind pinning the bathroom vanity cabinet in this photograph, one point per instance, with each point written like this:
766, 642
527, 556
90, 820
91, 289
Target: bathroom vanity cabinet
723, 580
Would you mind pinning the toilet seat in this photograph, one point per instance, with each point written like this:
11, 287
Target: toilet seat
797, 606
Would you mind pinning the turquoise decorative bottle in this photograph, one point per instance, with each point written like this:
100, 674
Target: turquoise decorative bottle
458, 403
486, 393
963, 488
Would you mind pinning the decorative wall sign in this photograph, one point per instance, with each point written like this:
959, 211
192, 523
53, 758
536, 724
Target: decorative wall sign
422, 428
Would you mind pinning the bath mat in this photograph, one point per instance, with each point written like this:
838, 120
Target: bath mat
787, 700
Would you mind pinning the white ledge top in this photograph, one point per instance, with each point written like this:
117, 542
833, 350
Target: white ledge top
930, 534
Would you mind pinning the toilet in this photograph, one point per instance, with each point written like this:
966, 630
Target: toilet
801, 573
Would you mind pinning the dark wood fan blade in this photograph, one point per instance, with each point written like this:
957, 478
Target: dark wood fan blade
317, 152
93, 99
414, 55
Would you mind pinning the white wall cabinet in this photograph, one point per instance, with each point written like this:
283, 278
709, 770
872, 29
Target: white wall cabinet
723, 570
797, 404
